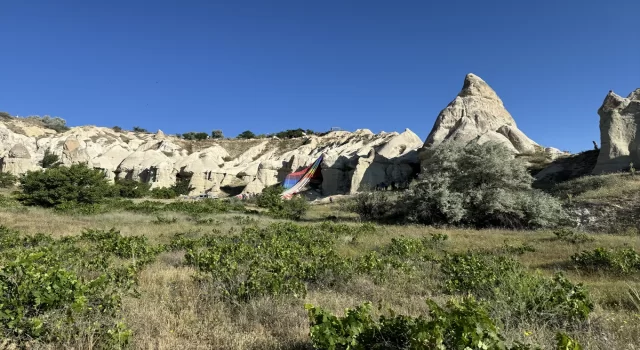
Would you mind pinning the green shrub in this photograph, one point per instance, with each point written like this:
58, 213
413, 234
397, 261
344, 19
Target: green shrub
292, 209
512, 292
621, 260
56, 290
181, 187
163, 193
50, 160
280, 259
131, 189
246, 135
459, 325
576, 187
375, 206
471, 185
7, 180
116, 129
54, 186
571, 236
139, 129
217, 134
55, 123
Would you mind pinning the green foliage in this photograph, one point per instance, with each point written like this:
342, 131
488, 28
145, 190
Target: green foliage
571, 236
470, 185
576, 187
55, 123
459, 325
55, 186
139, 129
50, 160
217, 134
513, 292
375, 206
246, 135
565, 342
195, 135
55, 290
161, 220
292, 209
280, 259
182, 187
293, 133
126, 188
163, 193
620, 260
7, 180
116, 129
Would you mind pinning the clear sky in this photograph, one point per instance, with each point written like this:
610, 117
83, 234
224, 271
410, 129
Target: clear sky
269, 65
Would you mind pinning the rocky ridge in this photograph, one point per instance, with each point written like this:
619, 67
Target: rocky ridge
353, 160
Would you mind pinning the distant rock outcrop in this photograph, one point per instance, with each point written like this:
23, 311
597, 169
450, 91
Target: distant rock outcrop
353, 161
619, 132
478, 115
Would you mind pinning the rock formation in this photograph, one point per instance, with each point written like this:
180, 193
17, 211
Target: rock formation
619, 131
353, 161
478, 115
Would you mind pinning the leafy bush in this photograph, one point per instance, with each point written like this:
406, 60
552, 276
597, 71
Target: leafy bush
571, 236
50, 160
460, 325
512, 292
7, 180
217, 134
181, 187
293, 133
292, 209
621, 260
246, 135
277, 260
57, 290
55, 123
163, 193
131, 189
139, 129
476, 185
117, 129
195, 135
375, 206
54, 186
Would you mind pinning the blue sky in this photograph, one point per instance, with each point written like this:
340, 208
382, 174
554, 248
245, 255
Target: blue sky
273, 65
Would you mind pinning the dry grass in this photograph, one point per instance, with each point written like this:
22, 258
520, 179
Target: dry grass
176, 312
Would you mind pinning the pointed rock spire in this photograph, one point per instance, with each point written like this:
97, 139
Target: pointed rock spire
478, 115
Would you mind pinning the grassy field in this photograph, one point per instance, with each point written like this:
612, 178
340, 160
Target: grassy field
176, 311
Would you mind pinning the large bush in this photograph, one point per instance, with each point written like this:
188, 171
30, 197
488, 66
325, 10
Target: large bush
58, 185
293, 208
474, 185
131, 188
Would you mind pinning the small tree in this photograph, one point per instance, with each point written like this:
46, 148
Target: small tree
217, 134
201, 136
139, 129
246, 135
181, 187
117, 129
53, 186
7, 180
49, 160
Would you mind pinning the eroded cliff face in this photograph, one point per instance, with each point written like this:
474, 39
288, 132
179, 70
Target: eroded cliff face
352, 160
477, 114
619, 130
